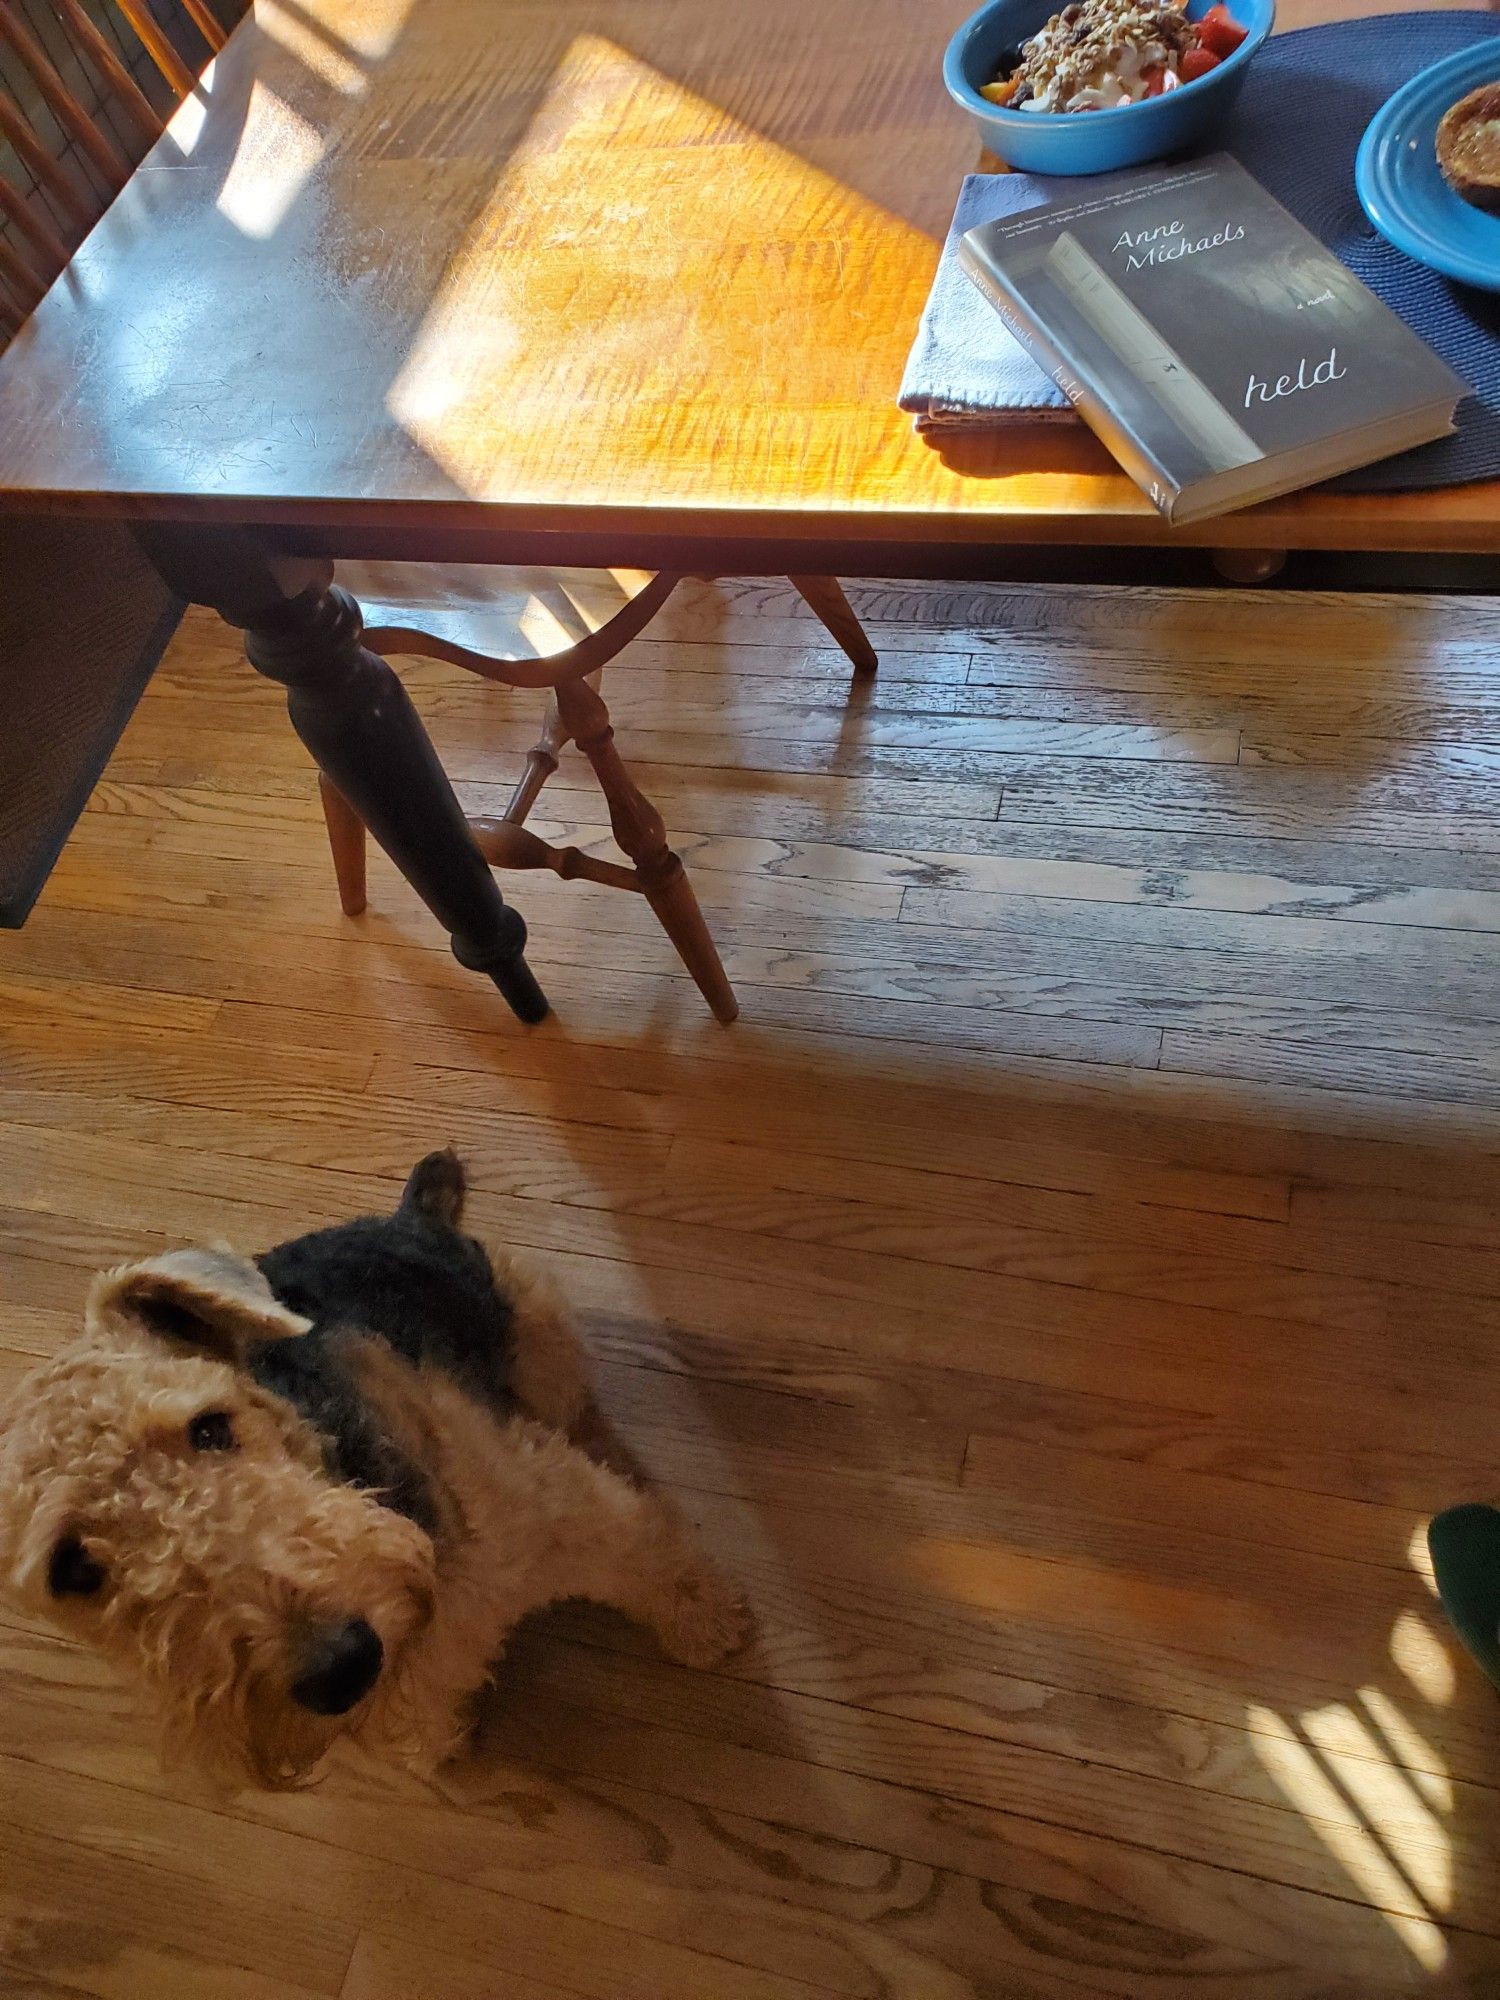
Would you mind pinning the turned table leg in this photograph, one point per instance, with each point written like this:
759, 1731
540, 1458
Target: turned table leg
356, 719
637, 827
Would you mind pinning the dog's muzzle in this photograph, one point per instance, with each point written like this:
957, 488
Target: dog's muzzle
344, 1663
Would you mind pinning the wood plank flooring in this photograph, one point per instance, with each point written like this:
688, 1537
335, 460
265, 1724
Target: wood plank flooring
1062, 1298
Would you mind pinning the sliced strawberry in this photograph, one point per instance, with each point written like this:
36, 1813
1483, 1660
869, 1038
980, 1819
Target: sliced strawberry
1154, 78
1195, 63
1219, 32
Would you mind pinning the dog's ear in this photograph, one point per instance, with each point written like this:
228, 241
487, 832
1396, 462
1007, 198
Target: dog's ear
210, 1300
436, 1188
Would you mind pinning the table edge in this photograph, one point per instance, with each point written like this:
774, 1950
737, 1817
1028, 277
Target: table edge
652, 537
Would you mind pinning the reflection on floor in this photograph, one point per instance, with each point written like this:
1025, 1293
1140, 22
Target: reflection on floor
1062, 1297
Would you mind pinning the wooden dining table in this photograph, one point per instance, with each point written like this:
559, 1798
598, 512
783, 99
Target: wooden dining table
586, 282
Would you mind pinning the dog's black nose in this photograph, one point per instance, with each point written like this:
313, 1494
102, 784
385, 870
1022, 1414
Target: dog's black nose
344, 1665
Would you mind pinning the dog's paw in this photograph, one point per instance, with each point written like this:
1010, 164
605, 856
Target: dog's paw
706, 1619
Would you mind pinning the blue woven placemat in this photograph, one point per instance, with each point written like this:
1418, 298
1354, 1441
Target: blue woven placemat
1297, 126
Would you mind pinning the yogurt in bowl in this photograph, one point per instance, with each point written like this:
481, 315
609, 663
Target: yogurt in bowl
1099, 54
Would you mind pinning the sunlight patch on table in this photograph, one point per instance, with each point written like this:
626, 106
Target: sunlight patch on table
190, 117
601, 280
329, 61
374, 33
280, 153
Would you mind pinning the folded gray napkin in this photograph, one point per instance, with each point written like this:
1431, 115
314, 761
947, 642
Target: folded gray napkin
965, 371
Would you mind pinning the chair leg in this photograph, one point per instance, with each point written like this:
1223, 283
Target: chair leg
638, 828
825, 596
346, 836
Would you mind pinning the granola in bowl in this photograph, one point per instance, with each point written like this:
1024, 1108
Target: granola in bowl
1096, 55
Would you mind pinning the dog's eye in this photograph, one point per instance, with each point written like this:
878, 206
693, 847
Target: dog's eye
211, 1430
72, 1572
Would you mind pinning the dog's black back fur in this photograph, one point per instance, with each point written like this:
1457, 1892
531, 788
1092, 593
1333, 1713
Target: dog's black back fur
413, 1279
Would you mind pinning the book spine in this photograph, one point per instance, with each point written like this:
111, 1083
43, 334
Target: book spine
1152, 478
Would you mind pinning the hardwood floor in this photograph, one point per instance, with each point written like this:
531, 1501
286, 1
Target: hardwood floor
1063, 1297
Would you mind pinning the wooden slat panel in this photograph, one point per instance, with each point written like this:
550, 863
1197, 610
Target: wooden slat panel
158, 45
106, 62
71, 115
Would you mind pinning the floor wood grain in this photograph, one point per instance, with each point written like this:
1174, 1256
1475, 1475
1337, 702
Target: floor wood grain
1062, 1297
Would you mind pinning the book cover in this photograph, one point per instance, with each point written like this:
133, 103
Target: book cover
1217, 348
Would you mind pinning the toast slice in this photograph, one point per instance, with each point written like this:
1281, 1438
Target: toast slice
1468, 146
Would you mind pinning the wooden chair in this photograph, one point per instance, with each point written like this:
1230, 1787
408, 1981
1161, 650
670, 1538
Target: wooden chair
73, 122
554, 629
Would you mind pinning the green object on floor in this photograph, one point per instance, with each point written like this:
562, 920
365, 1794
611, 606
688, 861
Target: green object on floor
1465, 1546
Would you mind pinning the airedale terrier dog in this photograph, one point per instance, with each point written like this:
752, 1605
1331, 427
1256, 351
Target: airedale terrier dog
305, 1497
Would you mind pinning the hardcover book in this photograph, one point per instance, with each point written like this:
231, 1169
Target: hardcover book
1222, 354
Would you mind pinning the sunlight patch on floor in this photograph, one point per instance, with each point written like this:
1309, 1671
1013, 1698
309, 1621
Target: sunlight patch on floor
1420, 1556
1382, 1793
576, 604
1422, 1763
1422, 1657
1380, 1866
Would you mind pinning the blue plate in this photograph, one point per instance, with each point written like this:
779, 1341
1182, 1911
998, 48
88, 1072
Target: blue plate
1401, 188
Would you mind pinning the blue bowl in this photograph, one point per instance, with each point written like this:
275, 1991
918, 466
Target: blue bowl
1093, 142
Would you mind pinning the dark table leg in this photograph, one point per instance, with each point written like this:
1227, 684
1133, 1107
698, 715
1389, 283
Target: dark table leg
358, 722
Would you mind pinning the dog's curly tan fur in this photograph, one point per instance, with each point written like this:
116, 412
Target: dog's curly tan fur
162, 1504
